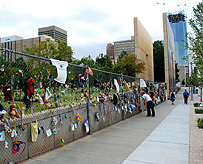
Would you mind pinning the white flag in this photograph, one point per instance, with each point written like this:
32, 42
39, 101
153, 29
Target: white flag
116, 84
61, 70
142, 83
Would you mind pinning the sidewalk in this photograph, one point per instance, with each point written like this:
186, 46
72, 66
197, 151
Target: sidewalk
138, 140
196, 135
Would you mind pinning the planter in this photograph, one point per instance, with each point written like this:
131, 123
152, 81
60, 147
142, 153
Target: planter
200, 123
196, 104
198, 111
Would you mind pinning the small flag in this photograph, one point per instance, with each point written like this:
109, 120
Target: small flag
61, 103
48, 104
89, 71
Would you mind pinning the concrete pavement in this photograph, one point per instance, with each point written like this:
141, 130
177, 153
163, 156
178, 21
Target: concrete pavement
139, 140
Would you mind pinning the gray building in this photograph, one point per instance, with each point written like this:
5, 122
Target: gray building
54, 32
114, 50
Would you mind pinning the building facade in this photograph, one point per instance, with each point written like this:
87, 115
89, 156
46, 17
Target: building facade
110, 50
144, 49
169, 55
54, 32
140, 44
125, 45
179, 27
18, 45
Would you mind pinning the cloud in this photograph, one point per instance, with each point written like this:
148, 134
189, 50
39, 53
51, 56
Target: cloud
90, 24
90, 49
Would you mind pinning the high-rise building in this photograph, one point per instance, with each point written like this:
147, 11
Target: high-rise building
178, 24
54, 32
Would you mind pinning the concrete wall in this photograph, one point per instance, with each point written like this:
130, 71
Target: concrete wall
169, 55
67, 116
182, 74
144, 49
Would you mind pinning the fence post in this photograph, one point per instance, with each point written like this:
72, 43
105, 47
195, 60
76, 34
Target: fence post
88, 105
55, 98
123, 112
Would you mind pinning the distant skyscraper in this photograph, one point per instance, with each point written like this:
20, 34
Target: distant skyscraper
53, 31
179, 28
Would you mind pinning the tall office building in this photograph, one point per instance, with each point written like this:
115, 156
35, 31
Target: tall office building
54, 32
178, 24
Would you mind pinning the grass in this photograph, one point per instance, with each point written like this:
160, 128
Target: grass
69, 97
200, 123
198, 111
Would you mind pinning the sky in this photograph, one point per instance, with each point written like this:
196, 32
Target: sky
90, 24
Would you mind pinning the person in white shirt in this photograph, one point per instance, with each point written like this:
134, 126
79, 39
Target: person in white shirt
148, 99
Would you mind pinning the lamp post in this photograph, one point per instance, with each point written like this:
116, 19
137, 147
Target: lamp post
161, 4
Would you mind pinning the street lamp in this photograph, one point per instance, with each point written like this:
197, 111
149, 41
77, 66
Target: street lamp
181, 4
160, 3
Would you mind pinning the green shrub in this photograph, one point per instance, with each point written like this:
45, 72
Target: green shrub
198, 111
196, 104
200, 123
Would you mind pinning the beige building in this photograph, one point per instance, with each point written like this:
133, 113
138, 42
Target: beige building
141, 45
125, 45
18, 45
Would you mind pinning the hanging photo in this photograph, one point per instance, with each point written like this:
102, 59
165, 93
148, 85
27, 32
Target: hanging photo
72, 127
76, 125
54, 130
2, 136
48, 132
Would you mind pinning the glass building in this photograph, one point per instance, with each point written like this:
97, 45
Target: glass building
178, 24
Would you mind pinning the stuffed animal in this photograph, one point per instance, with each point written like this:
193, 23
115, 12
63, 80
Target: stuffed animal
13, 112
86, 94
7, 92
78, 117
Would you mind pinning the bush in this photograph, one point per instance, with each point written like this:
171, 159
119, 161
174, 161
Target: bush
196, 104
199, 111
200, 123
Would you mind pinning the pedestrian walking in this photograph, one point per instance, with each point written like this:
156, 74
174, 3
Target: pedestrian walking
173, 97
152, 96
148, 100
185, 96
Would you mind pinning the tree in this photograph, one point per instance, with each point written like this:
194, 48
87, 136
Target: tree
123, 53
195, 40
177, 73
47, 49
65, 52
159, 71
103, 62
87, 61
130, 65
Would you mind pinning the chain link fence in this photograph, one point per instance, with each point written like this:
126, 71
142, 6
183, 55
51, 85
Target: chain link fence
36, 104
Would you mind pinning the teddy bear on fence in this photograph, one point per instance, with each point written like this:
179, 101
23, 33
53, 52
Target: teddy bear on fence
7, 92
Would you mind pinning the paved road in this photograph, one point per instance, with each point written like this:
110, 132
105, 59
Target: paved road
163, 139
